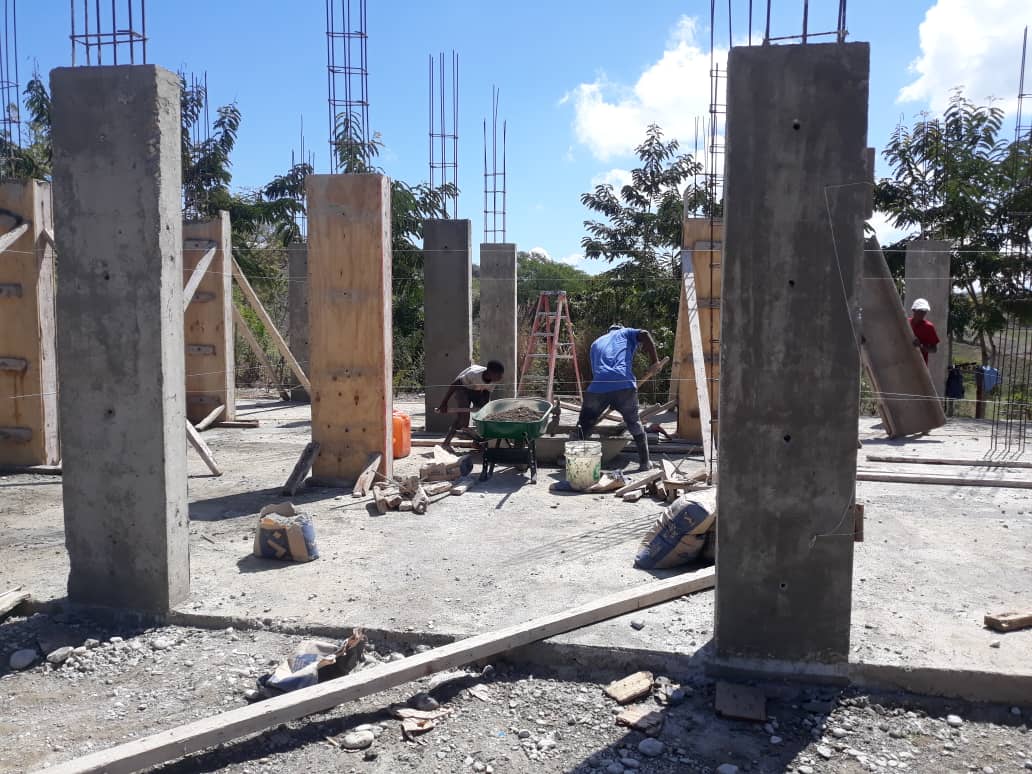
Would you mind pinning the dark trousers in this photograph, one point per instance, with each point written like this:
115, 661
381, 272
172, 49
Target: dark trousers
598, 403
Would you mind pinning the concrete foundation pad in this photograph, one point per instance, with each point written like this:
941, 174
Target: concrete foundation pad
935, 560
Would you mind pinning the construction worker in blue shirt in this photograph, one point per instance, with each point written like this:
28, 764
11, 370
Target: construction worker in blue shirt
613, 384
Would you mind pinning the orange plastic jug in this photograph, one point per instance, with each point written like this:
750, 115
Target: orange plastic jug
402, 435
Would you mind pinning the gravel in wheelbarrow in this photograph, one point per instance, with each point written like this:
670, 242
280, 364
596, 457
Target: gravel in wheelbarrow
517, 414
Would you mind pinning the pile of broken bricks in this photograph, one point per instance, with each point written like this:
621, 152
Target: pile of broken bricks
436, 480
665, 485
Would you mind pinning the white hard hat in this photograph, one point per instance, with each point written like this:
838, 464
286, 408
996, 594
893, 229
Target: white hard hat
921, 305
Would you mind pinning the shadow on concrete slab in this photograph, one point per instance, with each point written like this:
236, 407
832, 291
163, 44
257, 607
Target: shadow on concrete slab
249, 503
588, 543
251, 563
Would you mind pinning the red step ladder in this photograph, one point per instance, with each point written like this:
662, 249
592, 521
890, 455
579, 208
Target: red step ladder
548, 329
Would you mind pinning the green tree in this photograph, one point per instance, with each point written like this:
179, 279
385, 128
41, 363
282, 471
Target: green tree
955, 178
643, 222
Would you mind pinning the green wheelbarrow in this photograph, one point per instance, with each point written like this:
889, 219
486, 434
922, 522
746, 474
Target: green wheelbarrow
518, 437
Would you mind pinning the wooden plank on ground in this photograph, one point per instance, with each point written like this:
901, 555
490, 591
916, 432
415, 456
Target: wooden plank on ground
630, 688
304, 464
948, 461
274, 334
168, 745
202, 449
640, 483
905, 393
1008, 622
911, 478
28, 470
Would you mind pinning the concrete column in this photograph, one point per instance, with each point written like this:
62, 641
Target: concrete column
447, 310
928, 277
297, 309
498, 312
117, 191
789, 390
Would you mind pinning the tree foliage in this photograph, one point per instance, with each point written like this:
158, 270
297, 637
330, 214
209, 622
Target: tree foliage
955, 178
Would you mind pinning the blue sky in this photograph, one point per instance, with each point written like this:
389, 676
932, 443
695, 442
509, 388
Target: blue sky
579, 79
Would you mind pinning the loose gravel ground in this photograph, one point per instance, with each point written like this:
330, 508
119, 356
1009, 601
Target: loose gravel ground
102, 686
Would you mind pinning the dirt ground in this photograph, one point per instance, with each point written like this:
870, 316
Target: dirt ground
934, 561
497, 717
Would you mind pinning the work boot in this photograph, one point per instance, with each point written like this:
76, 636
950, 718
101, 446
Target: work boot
642, 442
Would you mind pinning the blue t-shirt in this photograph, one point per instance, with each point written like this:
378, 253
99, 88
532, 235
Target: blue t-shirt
611, 359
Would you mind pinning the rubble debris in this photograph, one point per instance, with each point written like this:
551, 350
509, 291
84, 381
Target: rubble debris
642, 717
630, 688
357, 740
10, 599
1008, 622
22, 659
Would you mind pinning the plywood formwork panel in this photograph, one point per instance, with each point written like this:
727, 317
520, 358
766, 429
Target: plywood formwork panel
349, 281
703, 241
208, 321
28, 360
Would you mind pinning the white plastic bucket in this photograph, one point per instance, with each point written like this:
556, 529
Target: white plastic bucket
583, 463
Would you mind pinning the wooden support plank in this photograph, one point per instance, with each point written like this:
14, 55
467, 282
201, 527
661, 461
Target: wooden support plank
202, 449
274, 334
12, 236
28, 339
698, 366
948, 461
259, 352
209, 420
908, 478
198, 274
208, 317
350, 335
367, 476
304, 464
168, 745
244, 424
641, 483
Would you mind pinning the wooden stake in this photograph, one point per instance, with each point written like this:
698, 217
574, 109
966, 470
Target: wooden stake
304, 464
202, 449
209, 420
168, 745
277, 339
198, 274
367, 476
906, 478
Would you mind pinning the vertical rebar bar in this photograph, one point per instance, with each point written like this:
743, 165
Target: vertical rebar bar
806, 19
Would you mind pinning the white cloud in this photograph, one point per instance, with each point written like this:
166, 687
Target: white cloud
541, 252
975, 44
886, 232
574, 259
610, 118
617, 178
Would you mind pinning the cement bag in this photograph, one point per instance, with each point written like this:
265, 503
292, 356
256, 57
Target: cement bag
285, 534
678, 536
311, 662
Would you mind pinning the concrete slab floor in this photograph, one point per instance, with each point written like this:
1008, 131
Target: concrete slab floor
935, 560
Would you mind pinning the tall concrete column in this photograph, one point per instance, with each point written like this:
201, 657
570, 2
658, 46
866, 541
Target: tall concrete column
498, 312
297, 310
447, 310
117, 191
790, 362
928, 277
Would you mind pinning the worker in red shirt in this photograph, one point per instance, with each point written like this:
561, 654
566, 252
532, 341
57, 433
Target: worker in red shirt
925, 336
